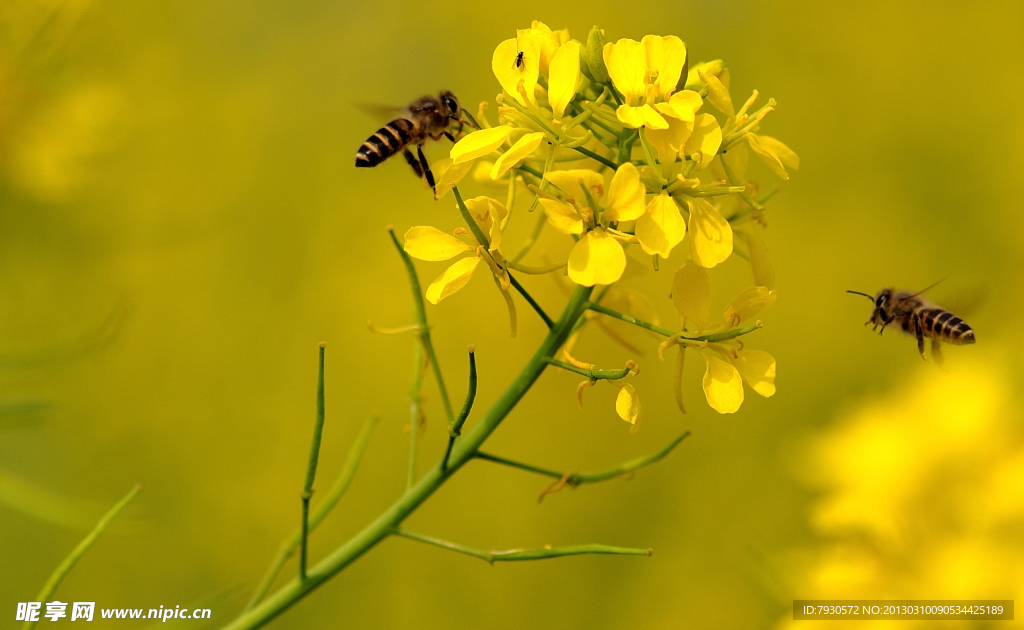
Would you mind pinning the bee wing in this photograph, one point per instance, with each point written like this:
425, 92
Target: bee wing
380, 112
965, 302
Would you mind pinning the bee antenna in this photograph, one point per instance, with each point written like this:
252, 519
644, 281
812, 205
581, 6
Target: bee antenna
870, 297
929, 287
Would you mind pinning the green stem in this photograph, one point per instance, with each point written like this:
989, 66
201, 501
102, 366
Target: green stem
487, 457
391, 518
575, 479
592, 373
513, 555
341, 484
483, 240
713, 338
455, 430
421, 320
314, 457
626, 147
533, 117
600, 158
631, 320
536, 271
76, 554
733, 181
648, 153
529, 298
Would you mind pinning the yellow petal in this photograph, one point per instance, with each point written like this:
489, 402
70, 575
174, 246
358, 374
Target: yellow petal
758, 369
562, 216
683, 105
489, 214
596, 259
706, 138
548, 42
723, 386
627, 405
447, 174
710, 234
625, 195
453, 279
510, 73
786, 155
666, 56
518, 152
569, 182
691, 293
747, 304
718, 94
767, 155
642, 116
693, 80
564, 76
626, 61
661, 227
426, 242
668, 142
479, 143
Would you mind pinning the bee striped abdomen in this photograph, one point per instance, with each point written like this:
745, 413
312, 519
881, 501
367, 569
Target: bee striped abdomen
389, 140
946, 326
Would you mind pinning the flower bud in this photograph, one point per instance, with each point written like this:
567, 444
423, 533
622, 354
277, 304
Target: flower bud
593, 56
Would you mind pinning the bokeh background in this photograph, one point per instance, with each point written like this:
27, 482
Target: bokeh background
181, 223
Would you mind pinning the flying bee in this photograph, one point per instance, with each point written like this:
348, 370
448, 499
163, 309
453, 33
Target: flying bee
918, 317
429, 117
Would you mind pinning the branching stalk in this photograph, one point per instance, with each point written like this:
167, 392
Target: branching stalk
513, 555
713, 338
455, 430
76, 554
574, 479
314, 457
593, 373
421, 320
463, 451
341, 484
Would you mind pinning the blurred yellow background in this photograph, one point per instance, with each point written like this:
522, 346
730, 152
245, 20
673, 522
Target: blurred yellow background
181, 223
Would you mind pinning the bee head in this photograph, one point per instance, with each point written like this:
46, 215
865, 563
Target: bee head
883, 311
451, 104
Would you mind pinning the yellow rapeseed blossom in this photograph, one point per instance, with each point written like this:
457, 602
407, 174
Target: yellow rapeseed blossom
918, 494
585, 209
623, 146
645, 73
727, 365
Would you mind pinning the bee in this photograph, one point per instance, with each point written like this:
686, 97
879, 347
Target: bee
918, 317
429, 117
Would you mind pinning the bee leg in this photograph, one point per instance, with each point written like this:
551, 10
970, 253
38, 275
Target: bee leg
936, 352
920, 335
425, 165
449, 136
413, 162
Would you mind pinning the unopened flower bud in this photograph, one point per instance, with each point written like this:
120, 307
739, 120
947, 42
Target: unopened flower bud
593, 56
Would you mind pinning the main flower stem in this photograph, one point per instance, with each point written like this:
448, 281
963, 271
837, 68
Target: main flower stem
387, 523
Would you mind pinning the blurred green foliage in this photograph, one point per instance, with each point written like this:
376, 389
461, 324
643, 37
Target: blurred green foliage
194, 160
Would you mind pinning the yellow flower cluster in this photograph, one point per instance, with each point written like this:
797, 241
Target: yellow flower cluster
621, 144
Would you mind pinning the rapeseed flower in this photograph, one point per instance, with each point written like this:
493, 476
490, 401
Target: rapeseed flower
621, 144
